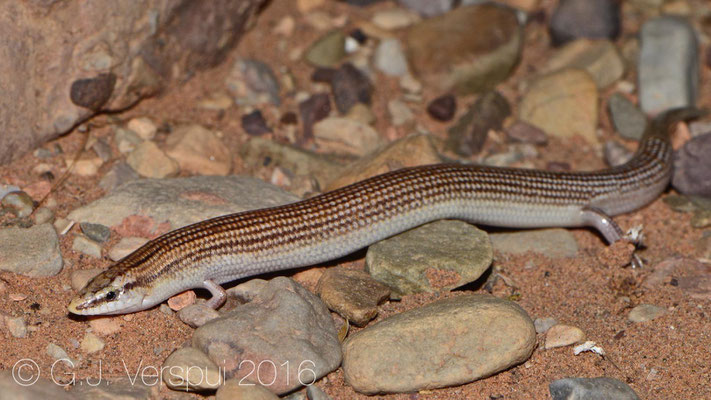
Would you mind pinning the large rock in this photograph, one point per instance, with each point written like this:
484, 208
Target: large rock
449, 342
31, 252
284, 337
181, 201
469, 49
426, 259
668, 67
562, 103
64, 61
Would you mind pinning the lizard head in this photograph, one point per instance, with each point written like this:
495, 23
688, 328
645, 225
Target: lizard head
110, 292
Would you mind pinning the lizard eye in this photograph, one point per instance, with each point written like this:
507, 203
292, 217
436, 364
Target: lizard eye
111, 295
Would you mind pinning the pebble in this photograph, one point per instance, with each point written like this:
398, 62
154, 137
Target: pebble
19, 203
668, 71
701, 219
428, 8
253, 82
394, 18
58, 354
189, 369
86, 246
96, 232
616, 154
353, 294
361, 113
328, 50
216, 102
562, 103
628, 120
197, 315
181, 201
79, 278
591, 389
312, 110
102, 149
236, 389
563, 335
426, 259
91, 343
691, 276
446, 343
105, 326
198, 150
599, 58
400, 113
410, 85
470, 49
646, 312
17, 326
126, 140
283, 322
573, 19
119, 174
313, 392
350, 86
343, 135
417, 149
542, 325
468, 135
30, 251
85, 167
552, 243
143, 127
692, 167
182, 300
389, 58
126, 246
254, 123
5, 189
62, 226
43, 215
151, 162
523, 132
443, 107
295, 161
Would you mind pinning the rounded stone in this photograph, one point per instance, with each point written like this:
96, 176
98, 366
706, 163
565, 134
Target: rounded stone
449, 342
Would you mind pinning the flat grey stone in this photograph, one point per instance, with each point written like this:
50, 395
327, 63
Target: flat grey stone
32, 252
96, 232
552, 243
42, 388
591, 389
182, 201
629, 121
668, 71
646, 312
285, 327
446, 343
438, 256
390, 58
87, 246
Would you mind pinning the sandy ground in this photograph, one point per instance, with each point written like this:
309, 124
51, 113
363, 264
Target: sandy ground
666, 358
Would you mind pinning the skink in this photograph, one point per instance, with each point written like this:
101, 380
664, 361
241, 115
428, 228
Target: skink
333, 224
